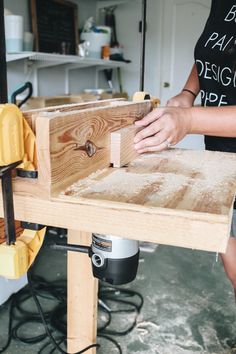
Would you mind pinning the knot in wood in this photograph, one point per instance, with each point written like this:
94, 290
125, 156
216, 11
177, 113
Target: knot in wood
90, 148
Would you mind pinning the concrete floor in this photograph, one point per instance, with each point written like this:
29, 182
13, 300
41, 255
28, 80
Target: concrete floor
188, 304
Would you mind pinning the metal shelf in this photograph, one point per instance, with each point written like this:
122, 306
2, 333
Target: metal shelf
60, 59
35, 61
101, 4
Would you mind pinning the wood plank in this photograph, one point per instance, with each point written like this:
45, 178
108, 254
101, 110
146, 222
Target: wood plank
80, 140
181, 228
122, 146
18, 230
28, 187
177, 197
62, 140
174, 179
82, 297
31, 115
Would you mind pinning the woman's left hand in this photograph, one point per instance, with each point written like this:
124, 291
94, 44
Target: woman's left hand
163, 127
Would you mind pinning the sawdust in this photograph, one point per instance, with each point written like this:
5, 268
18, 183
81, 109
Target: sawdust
182, 179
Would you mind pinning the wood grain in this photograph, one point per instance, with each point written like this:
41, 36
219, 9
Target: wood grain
31, 115
122, 146
80, 141
174, 179
82, 297
18, 230
175, 227
61, 136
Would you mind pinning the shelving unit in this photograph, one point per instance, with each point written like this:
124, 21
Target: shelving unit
35, 61
101, 4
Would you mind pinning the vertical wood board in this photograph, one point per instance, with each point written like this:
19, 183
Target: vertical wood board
81, 297
79, 141
122, 146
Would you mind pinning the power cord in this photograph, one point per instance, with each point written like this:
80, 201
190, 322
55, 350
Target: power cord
110, 301
47, 330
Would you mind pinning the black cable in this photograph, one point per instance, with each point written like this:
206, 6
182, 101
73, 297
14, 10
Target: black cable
58, 318
116, 294
27, 340
9, 337
59, 339
47, 330
107, 323
112, 301
112, 341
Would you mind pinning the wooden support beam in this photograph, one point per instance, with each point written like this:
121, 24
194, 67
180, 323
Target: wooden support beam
82, 297
122, 146
195, 230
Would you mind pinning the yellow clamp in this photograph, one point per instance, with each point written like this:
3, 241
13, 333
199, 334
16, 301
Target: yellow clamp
15, 260
17, 140
142, 96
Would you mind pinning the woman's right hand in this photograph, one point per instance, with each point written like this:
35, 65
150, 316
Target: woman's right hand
183, 99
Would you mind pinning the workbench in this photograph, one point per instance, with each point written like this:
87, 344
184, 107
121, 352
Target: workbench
178, 197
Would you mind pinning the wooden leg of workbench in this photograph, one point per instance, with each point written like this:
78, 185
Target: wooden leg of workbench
82, 297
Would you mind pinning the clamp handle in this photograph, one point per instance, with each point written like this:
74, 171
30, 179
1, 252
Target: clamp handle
27, 86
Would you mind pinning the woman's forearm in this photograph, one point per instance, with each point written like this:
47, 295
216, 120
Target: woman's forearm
215, 121
193, 82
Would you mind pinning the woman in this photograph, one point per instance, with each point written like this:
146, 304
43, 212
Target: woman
214, 76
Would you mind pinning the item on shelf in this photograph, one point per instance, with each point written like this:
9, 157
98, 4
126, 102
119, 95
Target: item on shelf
105, 94
97, 36
7, 12
83, 50
55, 27
95, 91
106, 52
28, 43
14, 25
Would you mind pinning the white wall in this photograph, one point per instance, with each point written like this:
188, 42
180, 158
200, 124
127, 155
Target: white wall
127, 18
51, 79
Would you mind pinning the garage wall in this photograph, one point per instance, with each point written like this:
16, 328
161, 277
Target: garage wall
127, 17
17, 73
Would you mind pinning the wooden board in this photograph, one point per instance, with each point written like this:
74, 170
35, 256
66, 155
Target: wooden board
31, 115
201, 181
2, 230
122, 146
82, 297
159, 225
71, 145
176, 180
64, 133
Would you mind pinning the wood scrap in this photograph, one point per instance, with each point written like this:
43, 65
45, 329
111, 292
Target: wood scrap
122, 146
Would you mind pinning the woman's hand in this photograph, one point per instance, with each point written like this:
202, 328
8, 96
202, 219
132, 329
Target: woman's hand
183, 99
162, 127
